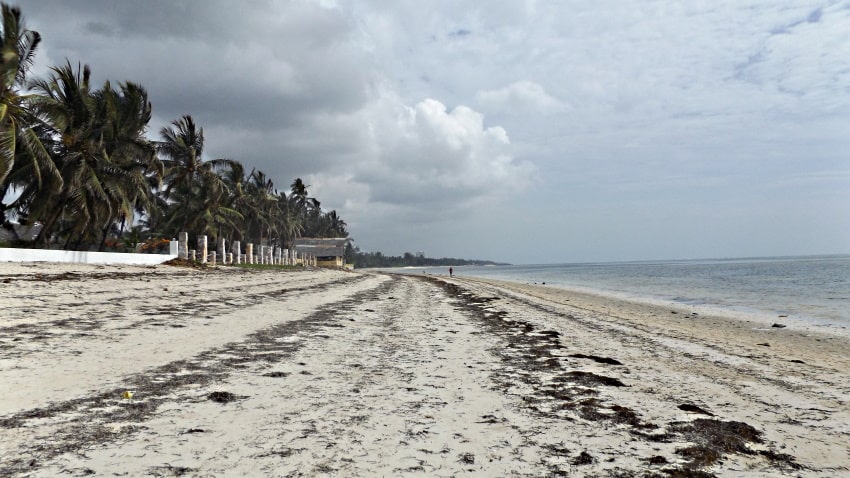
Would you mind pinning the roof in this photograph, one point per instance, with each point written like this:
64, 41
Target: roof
333, 247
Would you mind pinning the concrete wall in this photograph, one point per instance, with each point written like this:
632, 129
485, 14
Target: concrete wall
79, 257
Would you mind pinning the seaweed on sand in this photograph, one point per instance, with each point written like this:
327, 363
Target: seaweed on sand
526, 353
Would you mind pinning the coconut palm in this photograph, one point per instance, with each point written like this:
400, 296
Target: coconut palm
107, 166
137, 171
232, 174
291, 222
264, 210
186, 173
19, 131
332, 226
182, 147
66, 100
201, 209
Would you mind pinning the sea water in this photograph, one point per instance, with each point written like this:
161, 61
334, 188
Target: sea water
812, 289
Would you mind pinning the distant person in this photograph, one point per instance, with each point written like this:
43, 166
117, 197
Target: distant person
450, 271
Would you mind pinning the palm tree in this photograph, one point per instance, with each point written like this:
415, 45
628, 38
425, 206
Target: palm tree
232, 174
264, 210
203, 209
197, 195
107, 166
291, 223
138, 172
333, 225
182, 147
66, 100
19, 132
299, 191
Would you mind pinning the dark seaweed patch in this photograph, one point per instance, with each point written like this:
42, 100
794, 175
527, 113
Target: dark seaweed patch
276, 374
598, 359
584, 458
590, 379
690, 407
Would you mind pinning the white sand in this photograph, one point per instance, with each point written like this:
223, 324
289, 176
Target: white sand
342, 374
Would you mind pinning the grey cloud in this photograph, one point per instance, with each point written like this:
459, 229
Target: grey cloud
100, 28
657, 105
461, 32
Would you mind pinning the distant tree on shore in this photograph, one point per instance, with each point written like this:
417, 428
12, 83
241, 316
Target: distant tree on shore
77, 161
377, 259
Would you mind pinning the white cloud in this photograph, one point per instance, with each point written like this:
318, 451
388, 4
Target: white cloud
520, 97
422, 160
429, 154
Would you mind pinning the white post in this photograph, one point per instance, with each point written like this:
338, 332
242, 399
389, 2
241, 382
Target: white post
183, 249
202, 248
230, 258
212, 257
192, 255
220, 249
173, 247
249, 253
236, 249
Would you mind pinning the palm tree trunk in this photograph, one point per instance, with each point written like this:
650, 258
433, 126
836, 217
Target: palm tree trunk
44, 234
103, 238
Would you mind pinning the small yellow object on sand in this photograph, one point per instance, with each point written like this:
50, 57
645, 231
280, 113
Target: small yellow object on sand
128, 394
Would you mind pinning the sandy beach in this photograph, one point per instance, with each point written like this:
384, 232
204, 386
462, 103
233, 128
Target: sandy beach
328, 373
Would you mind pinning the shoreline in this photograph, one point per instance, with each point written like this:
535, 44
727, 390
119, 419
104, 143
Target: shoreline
697, 320
821, 311
335, 373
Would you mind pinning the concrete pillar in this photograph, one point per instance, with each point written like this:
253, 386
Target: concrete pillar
192, 256
262, 254
236, 249
249, 253
173, 247
230, 258
183, 248
212, 257
202, 248
220, 250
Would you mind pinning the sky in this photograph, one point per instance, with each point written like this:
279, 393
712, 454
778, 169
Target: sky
520, 131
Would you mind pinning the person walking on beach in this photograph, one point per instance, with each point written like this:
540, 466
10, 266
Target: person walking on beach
450, 271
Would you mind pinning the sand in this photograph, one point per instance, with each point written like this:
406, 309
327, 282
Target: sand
331, 373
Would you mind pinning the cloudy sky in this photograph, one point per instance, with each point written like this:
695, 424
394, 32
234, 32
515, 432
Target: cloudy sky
521, 131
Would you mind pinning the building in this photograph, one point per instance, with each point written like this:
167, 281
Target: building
328, 252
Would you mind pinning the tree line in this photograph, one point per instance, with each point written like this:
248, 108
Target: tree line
75, 159
408, 259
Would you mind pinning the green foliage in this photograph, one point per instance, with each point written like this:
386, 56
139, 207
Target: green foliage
376, 259
84, 169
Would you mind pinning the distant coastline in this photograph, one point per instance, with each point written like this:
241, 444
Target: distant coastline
371, 260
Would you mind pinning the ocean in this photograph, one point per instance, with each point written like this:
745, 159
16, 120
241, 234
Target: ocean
811, 290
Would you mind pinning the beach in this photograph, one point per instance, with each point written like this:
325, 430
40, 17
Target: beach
175, 371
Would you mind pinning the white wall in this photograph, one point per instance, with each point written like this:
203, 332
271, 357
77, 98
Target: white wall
80, 257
